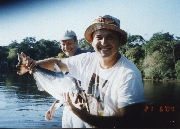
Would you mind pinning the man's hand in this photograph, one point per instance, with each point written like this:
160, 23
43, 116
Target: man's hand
76, 111
128, 116
25, 64
48, 116
50, 112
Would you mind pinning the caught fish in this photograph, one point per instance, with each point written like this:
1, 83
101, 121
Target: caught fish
55, 83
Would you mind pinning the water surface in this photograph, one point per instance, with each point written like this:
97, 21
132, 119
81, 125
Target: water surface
23, 106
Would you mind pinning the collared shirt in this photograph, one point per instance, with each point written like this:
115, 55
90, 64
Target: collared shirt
79, 51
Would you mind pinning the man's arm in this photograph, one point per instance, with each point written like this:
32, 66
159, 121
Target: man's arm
46, 63
127, 117
51, 110
50, 62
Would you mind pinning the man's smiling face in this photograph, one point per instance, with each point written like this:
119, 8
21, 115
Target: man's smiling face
69, 46
106, 43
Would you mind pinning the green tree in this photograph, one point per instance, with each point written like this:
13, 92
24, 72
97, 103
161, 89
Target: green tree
159, 62
46, 49
3, 53
12, 58
178, 70
133, 50
132, 41
13, 44
84, 45
27, 46
3, 59
136, 55
159, 42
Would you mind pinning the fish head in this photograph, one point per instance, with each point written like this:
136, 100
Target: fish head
21, 66
76, 93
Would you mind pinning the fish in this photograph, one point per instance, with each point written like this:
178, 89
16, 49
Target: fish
55, 83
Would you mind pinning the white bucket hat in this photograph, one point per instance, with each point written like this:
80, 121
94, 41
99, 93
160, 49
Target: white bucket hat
105, 22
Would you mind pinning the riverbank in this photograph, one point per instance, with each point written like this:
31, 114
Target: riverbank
164, 80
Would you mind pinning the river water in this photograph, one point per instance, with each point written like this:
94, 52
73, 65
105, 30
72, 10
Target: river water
23, 106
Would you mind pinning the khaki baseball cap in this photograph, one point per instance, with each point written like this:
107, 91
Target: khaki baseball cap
68, 34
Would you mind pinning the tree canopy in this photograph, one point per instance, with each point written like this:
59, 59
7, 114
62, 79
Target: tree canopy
157, 58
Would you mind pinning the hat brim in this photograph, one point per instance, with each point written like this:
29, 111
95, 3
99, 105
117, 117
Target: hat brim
98, 26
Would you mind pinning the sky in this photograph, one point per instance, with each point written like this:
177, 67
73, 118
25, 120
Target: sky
46, 19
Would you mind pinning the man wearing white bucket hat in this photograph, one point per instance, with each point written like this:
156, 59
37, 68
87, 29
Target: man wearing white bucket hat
112, 82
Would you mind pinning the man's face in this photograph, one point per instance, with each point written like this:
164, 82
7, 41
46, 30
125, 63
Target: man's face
69, 46
106, 43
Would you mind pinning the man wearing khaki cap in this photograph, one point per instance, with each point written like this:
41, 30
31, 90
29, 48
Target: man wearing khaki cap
69, 45
112, 82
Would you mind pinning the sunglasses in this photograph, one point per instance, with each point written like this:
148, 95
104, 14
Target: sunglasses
106, 21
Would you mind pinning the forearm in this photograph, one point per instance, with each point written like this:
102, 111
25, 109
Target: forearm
26, 64
47, 63
100, 121
50, 62
104, 121
128, 117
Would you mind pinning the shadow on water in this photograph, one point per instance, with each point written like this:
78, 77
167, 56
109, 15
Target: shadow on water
25, 85
162, 109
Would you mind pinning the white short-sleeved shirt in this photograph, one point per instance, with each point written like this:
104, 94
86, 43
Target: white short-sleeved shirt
108, 89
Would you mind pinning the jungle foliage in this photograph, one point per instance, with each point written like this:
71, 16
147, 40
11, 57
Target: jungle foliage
157, 58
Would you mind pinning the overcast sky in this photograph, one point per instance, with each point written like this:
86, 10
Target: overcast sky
45, 19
